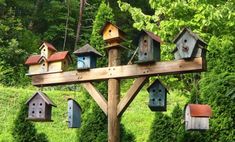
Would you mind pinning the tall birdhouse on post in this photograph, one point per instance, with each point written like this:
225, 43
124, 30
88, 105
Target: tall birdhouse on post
74, 114
148, 47
197, 116
112, 34
189, 45
157, 96
40, 107
86, 57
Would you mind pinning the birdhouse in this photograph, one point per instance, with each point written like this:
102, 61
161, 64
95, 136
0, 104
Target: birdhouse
189, 45
197, 116
74, 114
37, 64
157, 96
148, 47
59, 61
112, 33
40, 107
86, 57
47, 49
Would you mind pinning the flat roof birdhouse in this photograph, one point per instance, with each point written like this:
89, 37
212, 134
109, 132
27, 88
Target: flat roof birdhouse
86, 57
40, 107
157, 96
112, 33
74, 114
148, 47
197, 116
189, 45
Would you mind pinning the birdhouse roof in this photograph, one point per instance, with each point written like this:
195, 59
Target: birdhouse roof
76, 103
109, 23
59, 56
196, 37
33, 59
157, 81
49, 45
87, 49
43, 96
199, 110
152, 35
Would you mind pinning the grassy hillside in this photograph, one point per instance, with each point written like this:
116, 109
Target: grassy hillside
137, 119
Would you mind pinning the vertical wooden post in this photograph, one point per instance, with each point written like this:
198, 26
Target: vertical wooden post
113, 99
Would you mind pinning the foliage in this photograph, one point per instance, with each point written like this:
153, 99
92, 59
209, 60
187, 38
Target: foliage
24, 130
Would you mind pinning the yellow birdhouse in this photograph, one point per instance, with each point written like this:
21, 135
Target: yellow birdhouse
112, 33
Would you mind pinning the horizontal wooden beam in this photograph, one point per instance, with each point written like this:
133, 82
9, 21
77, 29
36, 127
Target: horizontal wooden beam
96, 95
125, 71
131, 94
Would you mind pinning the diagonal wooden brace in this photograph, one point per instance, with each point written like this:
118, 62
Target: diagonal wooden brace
131, 94
96, 95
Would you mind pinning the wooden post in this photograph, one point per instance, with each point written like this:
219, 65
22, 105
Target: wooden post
113, 99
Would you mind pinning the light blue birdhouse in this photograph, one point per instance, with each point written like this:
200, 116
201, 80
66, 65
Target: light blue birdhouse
86, 57
74, 114
157, 96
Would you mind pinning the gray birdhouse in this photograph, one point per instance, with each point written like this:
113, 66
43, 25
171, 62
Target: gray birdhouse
189, 45
86, 57
149, 47
74, 114
157, 96
40, 107
197, 117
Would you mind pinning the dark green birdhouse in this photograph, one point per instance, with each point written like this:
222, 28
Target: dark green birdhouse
157, 96
189, 45
148, 47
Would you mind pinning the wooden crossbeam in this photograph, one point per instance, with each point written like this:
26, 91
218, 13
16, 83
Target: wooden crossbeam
125, 71
131, 94
96, 95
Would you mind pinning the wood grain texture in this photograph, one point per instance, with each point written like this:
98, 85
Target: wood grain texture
131, 94
124, 71
96, 95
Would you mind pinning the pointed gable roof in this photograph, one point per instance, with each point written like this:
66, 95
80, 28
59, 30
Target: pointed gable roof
49, 45
43, 96
196, 37
59, 56
199, 110
33, 59
152, 35
87, 49
109, 23
157, 81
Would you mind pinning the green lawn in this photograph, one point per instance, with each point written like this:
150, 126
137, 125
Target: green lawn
137, 119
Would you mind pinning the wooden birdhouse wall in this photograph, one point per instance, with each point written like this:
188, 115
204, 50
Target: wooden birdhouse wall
55, 66
34, 69
110, 32
46, 52
74, 114
86, 62
186, 45
37, 108
149, 49
43, 66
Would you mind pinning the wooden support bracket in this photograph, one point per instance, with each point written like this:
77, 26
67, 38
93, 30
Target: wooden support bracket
131, 94
96, 95
124, 71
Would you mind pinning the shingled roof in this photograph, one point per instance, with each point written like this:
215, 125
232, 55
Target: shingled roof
43, 96
49, 45
87, 49
33, 59
199, 110
59, 56
152, 35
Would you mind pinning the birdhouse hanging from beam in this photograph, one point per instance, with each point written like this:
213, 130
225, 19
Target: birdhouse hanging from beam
148, 47
189, 45
197, 117
74, 114
86, 57
112, 33
157, 96
39, 107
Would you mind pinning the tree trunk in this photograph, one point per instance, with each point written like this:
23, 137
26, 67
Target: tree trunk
37, 8
66, 24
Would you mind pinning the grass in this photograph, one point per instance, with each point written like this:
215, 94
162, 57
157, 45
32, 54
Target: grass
137, 119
